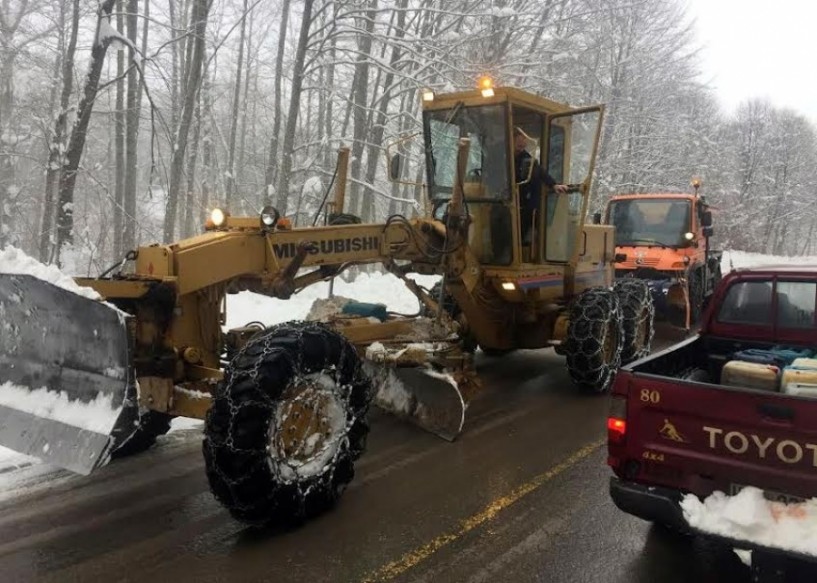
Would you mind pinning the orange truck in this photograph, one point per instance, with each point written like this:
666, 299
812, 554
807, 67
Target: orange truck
664, 238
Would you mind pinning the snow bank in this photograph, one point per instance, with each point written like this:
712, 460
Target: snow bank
98, 415
382, 288
14, 261
748, 516
738, 259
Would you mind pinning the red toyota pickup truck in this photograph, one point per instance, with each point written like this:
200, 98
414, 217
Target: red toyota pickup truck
731, 407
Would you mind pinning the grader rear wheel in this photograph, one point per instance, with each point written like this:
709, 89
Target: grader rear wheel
638, 314
594, 339
287, 424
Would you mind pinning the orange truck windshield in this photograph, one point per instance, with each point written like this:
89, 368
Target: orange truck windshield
643, 222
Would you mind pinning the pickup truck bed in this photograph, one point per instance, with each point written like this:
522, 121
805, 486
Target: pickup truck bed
675, 428
695, 434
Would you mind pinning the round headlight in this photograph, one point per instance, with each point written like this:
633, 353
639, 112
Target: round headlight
218, 217
689, 236
269, 216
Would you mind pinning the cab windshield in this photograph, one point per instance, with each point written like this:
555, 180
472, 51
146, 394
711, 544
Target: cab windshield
643, 222
486, 175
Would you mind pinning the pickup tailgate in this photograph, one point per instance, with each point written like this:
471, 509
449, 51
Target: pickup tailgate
700, 438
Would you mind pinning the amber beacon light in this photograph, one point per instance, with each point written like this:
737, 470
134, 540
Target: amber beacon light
486, 85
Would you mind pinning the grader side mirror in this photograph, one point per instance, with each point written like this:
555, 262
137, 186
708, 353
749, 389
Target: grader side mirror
708, 232
596, 218
706, 219
394, 167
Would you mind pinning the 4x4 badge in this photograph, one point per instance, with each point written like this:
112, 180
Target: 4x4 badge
668, 431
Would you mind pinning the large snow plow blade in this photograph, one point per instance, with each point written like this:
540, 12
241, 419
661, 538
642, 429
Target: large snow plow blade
64, 373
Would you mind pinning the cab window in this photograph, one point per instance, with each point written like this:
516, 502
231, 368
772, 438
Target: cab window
747, 302
796, 304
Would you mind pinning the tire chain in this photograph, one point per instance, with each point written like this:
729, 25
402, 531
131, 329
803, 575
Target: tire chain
590, 316
634, 295
248, 395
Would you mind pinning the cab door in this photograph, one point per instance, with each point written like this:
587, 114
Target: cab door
572, 140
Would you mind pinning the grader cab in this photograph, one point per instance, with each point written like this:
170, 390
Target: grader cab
96, 370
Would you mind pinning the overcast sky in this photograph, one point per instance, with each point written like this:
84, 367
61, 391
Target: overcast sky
756, 48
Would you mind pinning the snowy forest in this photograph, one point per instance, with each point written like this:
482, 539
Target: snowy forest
124, 121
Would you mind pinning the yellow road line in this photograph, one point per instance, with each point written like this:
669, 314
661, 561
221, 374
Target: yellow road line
415, 557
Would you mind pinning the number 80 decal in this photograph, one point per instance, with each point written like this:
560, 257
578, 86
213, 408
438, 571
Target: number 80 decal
650, 396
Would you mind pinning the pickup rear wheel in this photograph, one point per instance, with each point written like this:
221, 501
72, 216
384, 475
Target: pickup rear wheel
638, 313
594, 339
286, 425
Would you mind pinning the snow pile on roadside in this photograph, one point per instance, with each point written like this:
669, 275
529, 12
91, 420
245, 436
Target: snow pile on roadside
14, 261
739, 259
378, 288
748, 516
98, 415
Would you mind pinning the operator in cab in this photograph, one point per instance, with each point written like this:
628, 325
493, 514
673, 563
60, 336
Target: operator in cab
529, 193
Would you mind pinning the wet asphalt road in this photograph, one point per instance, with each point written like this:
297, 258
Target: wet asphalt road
521, 496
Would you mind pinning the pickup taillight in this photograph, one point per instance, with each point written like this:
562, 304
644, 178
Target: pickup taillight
617, 420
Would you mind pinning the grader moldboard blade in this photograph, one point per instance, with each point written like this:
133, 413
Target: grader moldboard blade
421, 395
64, 373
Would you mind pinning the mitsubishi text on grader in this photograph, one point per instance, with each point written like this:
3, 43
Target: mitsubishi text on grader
285, 407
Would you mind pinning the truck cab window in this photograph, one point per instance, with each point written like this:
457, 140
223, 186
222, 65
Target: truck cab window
796, 304
747, 302
645, 221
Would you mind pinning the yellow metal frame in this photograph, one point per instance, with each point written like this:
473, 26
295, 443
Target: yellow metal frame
177, 292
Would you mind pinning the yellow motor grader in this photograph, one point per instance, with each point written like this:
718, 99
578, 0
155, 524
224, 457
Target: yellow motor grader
85, 380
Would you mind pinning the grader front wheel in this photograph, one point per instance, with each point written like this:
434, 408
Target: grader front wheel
594, 341
287, 424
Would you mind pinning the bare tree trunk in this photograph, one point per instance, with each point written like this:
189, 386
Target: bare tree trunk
206, 166
360, 91
380, 125
201, 11
294, 103
119, 187
76, 142
329, 88
132, 136
230, 186
806, 249
174, 72
189, 199
239, 169
64, 67
271, 174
